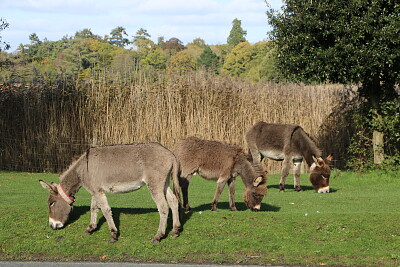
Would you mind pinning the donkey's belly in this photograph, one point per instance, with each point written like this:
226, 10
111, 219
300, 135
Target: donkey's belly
274, 155
123, 187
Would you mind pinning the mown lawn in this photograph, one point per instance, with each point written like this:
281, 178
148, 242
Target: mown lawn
355, 225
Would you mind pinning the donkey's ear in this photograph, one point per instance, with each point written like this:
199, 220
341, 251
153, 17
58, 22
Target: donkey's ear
257, 181
318, 161
329, 159
47, 186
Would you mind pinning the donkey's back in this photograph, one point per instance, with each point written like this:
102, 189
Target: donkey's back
125, 168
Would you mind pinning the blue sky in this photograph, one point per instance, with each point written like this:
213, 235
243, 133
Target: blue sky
186, 20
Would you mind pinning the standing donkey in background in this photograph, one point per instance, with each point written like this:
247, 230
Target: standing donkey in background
219, 161
117, 169
289, 143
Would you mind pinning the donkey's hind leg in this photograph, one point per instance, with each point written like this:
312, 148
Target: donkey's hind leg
158, 194
94, 208
184, 184
174, 204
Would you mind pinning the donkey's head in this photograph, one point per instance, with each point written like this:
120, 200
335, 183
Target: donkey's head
60, 205
255, 192
320, 173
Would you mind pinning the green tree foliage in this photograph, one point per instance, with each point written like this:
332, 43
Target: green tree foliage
237, 34
209, 60
262, 65
154, 59
86, 34
3, 25
143, 43
341, 41
181, 63
238, 59
117, 37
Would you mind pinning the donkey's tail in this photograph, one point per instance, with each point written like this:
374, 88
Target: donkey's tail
175, 181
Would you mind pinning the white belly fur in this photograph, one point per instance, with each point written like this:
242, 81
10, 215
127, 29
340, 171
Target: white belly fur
124, 187
274, 155
279, 155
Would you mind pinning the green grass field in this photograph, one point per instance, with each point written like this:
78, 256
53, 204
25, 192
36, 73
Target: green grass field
355, 225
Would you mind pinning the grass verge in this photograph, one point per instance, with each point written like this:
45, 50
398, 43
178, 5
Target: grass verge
355, 225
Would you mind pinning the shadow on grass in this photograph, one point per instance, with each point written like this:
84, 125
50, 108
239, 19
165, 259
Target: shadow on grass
116, 213
239, 205
290, 187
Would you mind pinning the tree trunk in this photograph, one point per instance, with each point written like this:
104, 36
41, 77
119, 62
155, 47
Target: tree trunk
377, 142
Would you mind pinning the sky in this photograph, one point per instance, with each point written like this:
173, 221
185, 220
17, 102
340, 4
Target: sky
210, 20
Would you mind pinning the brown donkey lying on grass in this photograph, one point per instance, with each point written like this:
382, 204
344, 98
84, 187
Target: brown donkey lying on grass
289, 143
219, 161
118, 169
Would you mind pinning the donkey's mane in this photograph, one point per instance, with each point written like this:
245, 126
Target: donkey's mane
75, 161
308, 147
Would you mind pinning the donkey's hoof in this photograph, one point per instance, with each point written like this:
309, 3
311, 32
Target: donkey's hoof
298, 189
112, 240
87, 232
156, 239
175, 234
233, 209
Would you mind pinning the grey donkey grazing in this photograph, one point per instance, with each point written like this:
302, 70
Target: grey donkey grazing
290, 143
220, 161
118, 169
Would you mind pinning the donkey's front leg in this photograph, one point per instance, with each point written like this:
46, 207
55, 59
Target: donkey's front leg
296, 170
102, 202
159, 197
220, 186
93, 217
231, 186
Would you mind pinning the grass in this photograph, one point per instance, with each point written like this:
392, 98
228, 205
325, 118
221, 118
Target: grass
355, 225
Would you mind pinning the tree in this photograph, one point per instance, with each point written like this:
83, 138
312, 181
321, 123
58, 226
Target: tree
181, 63
209, 60
342, 41
236, 61
173, 45
154, 60
3, 25
117, 37
142, 41
87, 34
237, 34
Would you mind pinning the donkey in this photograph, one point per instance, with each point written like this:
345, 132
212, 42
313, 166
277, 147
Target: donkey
289, 143
214, 160
117, 169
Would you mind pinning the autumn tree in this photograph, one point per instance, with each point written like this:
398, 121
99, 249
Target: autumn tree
343, 41
173, 45
181, 63
236, 61
237, 34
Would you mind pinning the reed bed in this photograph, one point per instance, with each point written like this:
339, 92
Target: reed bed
44, 126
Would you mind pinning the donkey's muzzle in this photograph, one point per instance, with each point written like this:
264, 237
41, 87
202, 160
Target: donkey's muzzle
55, 225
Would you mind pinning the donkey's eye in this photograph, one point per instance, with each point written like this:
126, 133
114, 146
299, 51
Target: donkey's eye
51, 204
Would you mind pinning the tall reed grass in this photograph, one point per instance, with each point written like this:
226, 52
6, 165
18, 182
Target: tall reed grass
44, 126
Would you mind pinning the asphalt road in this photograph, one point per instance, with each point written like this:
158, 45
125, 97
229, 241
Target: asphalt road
101, 264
